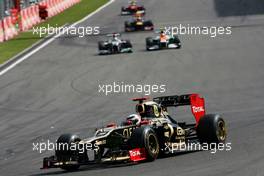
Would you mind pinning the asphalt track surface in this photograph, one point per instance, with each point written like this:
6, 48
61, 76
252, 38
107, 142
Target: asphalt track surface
56, 90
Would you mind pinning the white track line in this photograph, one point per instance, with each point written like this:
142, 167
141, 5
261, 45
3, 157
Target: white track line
51, 40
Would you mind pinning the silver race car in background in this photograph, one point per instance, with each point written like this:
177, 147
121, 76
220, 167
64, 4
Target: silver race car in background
114, 45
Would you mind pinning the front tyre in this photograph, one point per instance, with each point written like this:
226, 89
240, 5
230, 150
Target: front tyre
149, 43
65, 154
145, 137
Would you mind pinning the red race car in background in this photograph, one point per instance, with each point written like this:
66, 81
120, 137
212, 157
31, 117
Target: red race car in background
133, 8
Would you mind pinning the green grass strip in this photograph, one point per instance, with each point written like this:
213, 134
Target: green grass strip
24, 40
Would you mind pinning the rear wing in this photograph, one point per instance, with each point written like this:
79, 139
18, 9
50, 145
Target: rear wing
194, 100
113, 35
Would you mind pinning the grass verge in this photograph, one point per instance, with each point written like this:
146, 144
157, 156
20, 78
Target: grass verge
24, 40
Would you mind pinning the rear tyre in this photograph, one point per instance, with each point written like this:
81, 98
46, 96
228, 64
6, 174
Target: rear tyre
212, 129
128, 26
148, 23
145, 137
177, 41
127, 44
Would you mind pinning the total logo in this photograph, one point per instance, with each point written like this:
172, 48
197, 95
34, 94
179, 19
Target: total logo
134, 153
197, 109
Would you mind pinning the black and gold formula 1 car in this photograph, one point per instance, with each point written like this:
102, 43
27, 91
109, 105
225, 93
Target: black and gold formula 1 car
142, 136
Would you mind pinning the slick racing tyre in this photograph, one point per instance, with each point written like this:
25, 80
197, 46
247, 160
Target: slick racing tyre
212, 129
145, 137
128, 26
149, 43
148, 23
127, 44
64, 153
175, 40
102, 46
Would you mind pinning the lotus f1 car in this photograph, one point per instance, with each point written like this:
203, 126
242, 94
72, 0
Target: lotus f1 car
138, 24
163, 41
142, 136
114, 45
133, 8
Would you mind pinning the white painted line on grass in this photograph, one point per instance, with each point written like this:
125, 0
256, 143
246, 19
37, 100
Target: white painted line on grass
50, 40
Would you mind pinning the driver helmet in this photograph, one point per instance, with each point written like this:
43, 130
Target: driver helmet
162, 32
163, 36
149, 110
115, 38
138, 15
133, 2
134, 118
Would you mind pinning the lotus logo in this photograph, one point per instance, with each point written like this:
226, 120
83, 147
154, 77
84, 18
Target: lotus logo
197, 109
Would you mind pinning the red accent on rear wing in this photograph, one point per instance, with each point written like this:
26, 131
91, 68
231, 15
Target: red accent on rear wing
196, 102
141, 99
197, 107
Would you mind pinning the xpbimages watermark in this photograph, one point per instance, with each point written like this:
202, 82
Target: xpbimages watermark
51, 146
121, 87
212, 31
212, 147
79, 31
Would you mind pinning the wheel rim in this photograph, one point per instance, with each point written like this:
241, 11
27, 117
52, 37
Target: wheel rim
221, 134
153, 144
